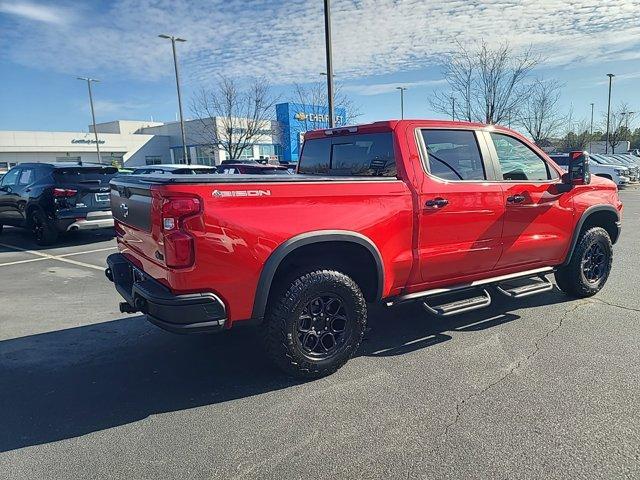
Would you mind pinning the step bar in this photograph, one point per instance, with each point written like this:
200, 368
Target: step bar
526, 290
459, 306
477, 283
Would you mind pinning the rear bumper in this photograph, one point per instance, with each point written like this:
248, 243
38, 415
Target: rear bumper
92, 221
190, 313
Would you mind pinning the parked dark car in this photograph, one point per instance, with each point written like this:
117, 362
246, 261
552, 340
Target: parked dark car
51, 198
174, 169
241, 168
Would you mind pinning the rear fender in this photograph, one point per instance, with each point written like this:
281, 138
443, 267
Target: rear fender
289, 246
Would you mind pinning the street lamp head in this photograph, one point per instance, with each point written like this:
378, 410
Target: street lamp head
180, 40
610, 75
401, 88
162, 35
87, 79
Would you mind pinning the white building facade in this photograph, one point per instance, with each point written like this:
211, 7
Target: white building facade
128, 144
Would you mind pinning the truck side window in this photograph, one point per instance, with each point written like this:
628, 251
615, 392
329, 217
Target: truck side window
519, 162
453, 154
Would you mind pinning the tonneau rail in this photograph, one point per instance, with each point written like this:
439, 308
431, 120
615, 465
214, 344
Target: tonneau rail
221, 178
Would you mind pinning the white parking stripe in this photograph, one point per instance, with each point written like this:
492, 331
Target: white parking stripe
53, 257
22, 261
88, 251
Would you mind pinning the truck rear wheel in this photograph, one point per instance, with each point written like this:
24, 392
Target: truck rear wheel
315, 323
590, 264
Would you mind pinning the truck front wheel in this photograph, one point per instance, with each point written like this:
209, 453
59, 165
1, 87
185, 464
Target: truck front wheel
590, 264
315, 323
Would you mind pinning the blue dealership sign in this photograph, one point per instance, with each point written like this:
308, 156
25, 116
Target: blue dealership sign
296, 118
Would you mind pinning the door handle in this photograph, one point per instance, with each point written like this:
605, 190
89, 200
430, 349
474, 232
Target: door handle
516, 199
438, 202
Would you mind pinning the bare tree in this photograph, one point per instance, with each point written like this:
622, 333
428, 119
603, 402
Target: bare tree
234, 118
539, 115
576, 138
314, 96
487, 84
617, 125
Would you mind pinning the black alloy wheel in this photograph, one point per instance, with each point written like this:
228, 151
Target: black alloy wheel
323, 326
594, 262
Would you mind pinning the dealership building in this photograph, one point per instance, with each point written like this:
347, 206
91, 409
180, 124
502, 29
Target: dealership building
133, 143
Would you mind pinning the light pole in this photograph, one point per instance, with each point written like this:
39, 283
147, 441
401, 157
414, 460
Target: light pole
591, 129
175, 65
610, 75
453, 108
93, 115
402, 90
327, 39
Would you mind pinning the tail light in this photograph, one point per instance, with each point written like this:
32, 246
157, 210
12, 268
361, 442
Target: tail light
179, 244
64, 192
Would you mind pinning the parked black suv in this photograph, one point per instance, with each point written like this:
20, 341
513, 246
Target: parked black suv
50, 198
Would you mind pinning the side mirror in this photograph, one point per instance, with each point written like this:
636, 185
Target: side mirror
578, 169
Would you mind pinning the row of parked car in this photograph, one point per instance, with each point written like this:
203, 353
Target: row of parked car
227, 167
620, 168
53, 198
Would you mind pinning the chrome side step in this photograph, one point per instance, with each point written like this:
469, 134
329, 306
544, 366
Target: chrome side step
459, 306
542, 285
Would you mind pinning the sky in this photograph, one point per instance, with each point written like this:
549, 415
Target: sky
377, 46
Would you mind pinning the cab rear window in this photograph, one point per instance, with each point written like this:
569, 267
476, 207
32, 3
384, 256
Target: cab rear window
368, 155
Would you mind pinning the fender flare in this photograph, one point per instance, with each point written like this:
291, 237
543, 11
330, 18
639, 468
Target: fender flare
586, 214
308, 238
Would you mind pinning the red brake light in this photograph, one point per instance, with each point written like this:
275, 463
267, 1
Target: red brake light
179, 245
64, 192
179, 207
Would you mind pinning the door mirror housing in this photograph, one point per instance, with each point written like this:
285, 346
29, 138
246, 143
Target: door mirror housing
578, 169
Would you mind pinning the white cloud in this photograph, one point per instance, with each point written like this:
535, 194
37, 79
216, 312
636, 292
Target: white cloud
284, 40
380, 88
33, 11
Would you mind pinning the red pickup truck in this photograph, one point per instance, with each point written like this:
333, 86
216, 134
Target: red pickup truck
446, 213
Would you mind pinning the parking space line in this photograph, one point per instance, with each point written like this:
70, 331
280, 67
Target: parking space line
53, 257
88, 251
22, 261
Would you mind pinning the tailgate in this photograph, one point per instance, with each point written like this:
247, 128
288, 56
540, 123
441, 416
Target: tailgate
131, 205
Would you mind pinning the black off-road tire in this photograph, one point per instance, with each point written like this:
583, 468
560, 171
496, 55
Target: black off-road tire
571, 279
44, 233
283, 319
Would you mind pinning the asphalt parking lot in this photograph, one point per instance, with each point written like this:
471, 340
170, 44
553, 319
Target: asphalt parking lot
545, 387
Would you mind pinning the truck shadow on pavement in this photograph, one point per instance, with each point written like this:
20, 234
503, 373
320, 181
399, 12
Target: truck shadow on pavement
68, 383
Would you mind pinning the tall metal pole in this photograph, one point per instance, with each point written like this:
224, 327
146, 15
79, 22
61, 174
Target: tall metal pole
591, 129
93, 114
453, 108
606, 147
173, 39
402, 89
327, 39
